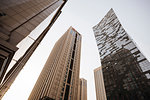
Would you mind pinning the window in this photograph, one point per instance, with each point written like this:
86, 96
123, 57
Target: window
2, 14
1, 62
69, 77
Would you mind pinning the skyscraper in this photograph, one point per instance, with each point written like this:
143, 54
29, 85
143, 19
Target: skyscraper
17, 19
99, 84
126, 71
59, 78
82, 95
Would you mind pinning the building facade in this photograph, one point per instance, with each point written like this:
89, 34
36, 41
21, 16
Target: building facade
99, 84
17, 19
82, 89
125, 69
59, 78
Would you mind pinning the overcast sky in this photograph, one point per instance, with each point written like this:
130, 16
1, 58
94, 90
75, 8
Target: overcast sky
134, 16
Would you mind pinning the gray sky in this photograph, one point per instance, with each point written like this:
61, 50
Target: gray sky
83, 15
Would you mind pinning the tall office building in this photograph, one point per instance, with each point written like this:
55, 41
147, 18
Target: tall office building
99, 84
82, 95
59, 78
17, 19
126, 71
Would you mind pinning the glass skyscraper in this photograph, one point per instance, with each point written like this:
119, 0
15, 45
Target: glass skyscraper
125, 69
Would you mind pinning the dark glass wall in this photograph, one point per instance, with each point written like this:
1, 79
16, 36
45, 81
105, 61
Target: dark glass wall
126, 70
123, 77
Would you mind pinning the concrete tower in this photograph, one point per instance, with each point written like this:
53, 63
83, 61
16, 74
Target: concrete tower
99, 84
59, 78
82, 89
17, 19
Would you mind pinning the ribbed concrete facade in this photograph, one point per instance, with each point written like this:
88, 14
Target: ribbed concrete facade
20, 17
126, 71
17, 19
59, 78
99, 84
82, 89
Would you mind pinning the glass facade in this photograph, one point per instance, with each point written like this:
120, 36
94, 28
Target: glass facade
126, 71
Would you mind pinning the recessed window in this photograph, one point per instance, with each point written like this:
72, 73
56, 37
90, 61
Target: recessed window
62, 89
2, 14
61, 94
